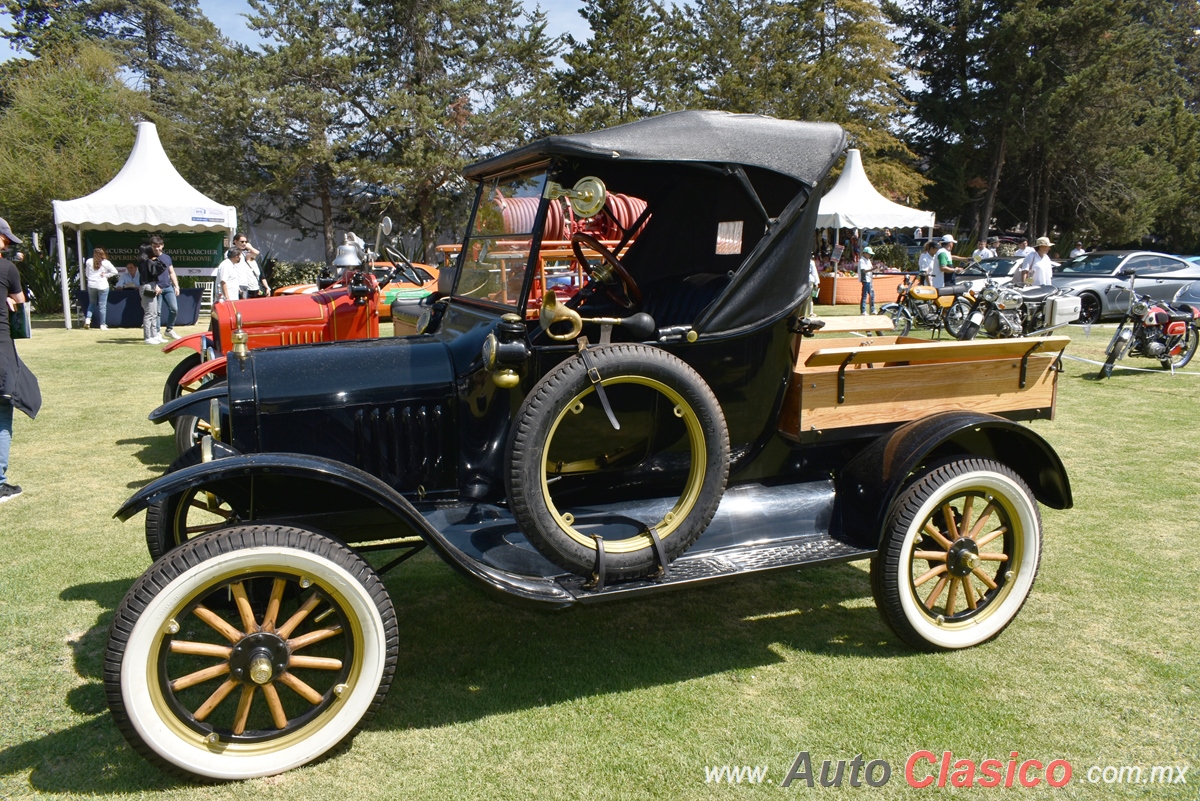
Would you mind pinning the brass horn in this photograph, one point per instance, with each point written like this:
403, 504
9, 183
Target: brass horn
552, 312
587, 197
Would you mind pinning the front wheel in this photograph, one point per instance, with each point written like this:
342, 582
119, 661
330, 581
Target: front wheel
249, 652
172, 388
1116, 349
959, 555
1089, 308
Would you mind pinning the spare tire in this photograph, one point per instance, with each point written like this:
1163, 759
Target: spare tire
666, 465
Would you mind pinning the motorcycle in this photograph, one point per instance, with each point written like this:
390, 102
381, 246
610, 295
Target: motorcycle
1155, 329
1003, 311
923, 306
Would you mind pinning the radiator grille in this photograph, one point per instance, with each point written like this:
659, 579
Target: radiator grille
401, 444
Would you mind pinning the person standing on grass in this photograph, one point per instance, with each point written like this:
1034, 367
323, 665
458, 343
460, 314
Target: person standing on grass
168, 289
18, 386
98, 269
227, 284
149, 271
866, 277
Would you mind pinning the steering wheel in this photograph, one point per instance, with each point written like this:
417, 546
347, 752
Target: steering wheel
616, 281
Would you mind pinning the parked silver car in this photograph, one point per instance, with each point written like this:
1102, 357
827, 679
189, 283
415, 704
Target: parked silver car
1096, 279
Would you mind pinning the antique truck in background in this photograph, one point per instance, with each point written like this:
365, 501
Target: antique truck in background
670, 421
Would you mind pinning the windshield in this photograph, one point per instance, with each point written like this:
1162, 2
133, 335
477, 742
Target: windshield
1092, 264
996, 268
498, 245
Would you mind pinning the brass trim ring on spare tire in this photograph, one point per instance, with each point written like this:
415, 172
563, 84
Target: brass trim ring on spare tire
676, 391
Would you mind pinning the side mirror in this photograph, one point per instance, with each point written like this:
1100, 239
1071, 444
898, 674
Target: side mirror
1128, 271
587, 197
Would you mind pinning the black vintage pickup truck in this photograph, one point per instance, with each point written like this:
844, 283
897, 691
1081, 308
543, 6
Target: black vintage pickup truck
645, 409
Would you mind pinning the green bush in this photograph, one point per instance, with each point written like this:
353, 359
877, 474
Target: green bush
894, 256
39, 273
286, 273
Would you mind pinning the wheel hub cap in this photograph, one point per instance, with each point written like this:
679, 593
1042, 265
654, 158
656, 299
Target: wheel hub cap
258, 658
962, 558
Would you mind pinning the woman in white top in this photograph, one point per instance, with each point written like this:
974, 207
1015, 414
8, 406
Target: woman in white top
97, 270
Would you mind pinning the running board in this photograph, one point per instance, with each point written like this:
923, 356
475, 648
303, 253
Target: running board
700, 568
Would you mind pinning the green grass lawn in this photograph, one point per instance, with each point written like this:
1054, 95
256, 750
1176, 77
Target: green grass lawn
635, 700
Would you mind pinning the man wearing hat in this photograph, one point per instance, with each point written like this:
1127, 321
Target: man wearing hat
1037, 265
18, 386
943, 274
866, 277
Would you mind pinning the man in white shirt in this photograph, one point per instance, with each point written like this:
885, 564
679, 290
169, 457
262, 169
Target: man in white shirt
984, 251
945, 262
1078, 250
866, 276
1038, 263
227, 275
1023, 253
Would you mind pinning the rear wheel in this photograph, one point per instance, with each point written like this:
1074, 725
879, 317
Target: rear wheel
956, 319
1186, 345
249, 652
901, 318
959, 556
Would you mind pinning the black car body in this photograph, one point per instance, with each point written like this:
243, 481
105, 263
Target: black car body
562, 450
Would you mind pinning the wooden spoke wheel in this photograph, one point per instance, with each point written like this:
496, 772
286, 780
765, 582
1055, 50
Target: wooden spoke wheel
250, 651
959, 557
175, 520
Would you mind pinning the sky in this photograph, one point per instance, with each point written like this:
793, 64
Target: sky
562, 16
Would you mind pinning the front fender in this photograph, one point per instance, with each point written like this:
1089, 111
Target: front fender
213, 367
868, 484
283, 486
197, 342
194, 403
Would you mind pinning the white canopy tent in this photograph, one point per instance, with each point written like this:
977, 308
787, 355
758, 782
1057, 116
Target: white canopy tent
147, 194
853, 202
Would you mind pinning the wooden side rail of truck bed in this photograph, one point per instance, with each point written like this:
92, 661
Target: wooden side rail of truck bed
846, 382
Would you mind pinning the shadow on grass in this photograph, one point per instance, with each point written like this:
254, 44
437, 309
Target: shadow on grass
463, 656
156, 452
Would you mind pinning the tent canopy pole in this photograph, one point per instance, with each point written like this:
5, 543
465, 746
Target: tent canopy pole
62, 277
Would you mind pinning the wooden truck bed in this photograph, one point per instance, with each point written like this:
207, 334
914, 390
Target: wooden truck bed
875, 380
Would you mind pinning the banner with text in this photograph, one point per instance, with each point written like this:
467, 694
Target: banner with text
192, 254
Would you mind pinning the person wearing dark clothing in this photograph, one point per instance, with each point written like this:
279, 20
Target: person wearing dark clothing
168, 289
149, 271
18, 386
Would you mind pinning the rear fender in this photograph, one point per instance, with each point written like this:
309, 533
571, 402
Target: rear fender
214, 368
193, 403
868, 484
197, 342
271, 486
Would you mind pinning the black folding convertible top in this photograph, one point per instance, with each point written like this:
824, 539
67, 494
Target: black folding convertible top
801, 150
769, 279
